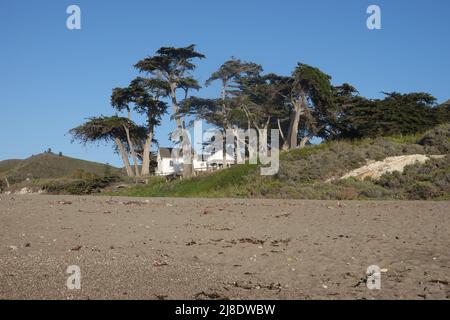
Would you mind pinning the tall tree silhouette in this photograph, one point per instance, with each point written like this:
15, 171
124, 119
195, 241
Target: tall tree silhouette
173, 66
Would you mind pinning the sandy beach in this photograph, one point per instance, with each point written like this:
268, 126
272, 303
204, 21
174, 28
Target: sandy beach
163, 248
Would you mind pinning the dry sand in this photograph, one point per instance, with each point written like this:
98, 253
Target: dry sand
130, 248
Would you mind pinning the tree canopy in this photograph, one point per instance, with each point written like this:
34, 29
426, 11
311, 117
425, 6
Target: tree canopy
396, 114
103, 128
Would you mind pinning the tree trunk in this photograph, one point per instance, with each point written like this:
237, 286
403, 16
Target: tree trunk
185, 145
132, 151
173, 96
124, 156
237, 150
147, 147
130, 143
187, 159
292, 136
246, 139
281, 132
303, 142
146, 155
237, 146
262, 137
224, 149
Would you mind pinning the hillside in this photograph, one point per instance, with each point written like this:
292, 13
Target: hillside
50, 166
7, 165
314, 172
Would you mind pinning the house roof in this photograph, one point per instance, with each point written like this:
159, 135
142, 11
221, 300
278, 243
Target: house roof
167, 152
217, 156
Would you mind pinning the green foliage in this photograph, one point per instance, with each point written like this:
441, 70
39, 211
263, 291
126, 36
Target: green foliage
420, 182
232, 70
121, 98
437, 140
7, 165
423, 191
311, 85
83, 175
169, 69
396, 114
334, 159
202, 186
145, 95
79, 186
315, 83
206, 109
173, 62
226, 110
443, 112
304, 152
263, 98
106, 129
108, 170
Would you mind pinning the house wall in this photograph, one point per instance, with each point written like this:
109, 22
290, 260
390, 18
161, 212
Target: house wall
164, 167
218, 158
199, 165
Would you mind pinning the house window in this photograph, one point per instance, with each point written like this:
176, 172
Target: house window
171, 163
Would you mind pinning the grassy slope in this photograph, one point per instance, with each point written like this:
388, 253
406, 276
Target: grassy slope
45, 166
214, 185
7, 165
303, 173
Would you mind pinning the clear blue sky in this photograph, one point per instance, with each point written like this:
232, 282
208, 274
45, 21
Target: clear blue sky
52, 78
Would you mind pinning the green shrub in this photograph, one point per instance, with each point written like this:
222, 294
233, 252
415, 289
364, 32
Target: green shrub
437, 140
420, 181
344, 193
423, 191
375, 192
83, 175
393, 181
79, 187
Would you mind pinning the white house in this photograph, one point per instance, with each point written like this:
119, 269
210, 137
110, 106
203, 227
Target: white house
168, 165
170, 161
216, 159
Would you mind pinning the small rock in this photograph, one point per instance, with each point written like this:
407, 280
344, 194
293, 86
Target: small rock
158, 263
65, 202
